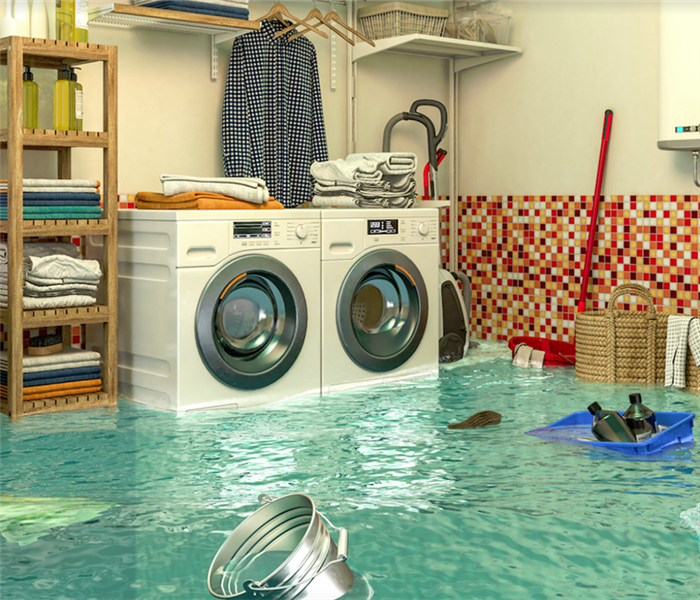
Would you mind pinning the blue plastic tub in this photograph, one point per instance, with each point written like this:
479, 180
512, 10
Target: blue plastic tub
577, 428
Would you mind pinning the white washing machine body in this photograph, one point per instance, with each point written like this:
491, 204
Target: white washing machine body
218, 309
379, 280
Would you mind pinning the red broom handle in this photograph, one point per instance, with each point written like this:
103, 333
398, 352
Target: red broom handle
607, 126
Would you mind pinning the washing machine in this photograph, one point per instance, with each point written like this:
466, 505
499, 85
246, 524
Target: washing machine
217, 308
379, 298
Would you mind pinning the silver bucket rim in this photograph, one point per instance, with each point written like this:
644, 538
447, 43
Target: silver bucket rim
334, 557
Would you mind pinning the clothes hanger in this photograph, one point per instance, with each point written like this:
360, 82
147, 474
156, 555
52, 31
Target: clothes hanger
314, 13
279, 10
334, 16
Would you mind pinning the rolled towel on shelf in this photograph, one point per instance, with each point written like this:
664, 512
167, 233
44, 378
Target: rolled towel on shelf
218, 10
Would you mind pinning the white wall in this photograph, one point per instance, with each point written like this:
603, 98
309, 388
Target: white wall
529, 124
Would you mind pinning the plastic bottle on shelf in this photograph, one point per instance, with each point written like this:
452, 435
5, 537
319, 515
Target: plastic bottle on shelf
8, 26
30, 102
64, 101
39, 20
65, 20
609, 426
51, 19
78, 99
20, 11
640, 419
80, 29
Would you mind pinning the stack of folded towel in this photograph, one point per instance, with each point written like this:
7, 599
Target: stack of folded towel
232, 9
378, 180
182, 192
56, 199
71, 372
55, 276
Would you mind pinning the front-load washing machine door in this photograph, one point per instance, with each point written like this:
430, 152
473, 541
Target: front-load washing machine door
382, 310
251, 322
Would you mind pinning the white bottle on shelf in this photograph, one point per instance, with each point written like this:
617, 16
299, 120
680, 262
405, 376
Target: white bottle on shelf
21, 14
8, 26
51, 14
39, 20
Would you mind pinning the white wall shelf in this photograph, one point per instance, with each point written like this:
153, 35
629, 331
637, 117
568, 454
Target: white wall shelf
466, 54
219, 28
462, 54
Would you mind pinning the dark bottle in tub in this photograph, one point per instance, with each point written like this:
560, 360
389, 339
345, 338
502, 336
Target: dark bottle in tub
609, 426
640, 419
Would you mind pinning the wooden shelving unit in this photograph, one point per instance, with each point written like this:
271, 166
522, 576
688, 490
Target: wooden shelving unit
16, 52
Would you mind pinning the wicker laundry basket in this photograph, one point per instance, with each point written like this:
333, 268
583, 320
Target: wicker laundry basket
626, 345
400, 18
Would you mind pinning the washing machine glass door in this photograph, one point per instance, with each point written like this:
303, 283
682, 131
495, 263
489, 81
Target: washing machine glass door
382, 310
251, 322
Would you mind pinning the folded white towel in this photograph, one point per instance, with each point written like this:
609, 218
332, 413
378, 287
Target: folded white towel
62, 190
53, 367
677, 350
29, 303
67, 355
326, 201
250, 189
82, 183
364, 167
43, 249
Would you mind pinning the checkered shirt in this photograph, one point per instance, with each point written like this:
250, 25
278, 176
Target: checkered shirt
273, 124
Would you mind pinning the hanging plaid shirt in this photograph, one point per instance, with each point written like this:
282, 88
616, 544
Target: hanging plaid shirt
273, 118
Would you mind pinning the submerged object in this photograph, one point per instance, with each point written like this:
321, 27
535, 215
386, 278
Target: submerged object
282, 550
609, 426
480, 419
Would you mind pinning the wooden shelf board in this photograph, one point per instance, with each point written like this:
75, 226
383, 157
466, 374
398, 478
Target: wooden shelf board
167, 20
57, 317
63, 403
49, 139
50, 54
56, 227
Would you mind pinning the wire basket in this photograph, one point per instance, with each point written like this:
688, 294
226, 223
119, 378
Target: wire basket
399, 18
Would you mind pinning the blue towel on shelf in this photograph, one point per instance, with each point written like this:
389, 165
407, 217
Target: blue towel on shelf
60, 216
55, 376
215, 10
57, 203
55, 196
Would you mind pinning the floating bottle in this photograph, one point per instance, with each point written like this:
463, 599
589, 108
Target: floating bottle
78, 99
64, 101
30, 102
640, 419
609, 426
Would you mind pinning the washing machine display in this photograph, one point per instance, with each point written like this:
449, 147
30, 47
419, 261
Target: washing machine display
382, 310
251, 322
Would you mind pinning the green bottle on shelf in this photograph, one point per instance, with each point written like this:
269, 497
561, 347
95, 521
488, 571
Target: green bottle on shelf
30, 100
609, 426
640, 419
64, 101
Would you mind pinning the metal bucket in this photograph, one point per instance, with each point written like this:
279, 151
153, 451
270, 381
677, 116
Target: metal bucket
280, 552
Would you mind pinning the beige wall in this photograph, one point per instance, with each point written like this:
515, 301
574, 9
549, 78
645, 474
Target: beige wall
529, 124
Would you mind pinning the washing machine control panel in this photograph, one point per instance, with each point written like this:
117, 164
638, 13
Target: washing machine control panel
293, 233
407, 230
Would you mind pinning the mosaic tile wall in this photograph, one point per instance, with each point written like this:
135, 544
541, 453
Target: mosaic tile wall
525, 255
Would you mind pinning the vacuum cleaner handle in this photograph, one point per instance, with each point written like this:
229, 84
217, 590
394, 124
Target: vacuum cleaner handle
443, 115
411, 116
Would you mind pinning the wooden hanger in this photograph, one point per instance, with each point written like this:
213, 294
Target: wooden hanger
279, 10
317, 14
334, 16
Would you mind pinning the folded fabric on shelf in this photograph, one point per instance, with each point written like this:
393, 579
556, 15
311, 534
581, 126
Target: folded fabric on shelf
41, 249
58, 268
202, 202
366, 166
80, 364
58, 376
56, 190
238, 3
55, 216
340, 201
47, 292
66, 356
251, 189
82, 183
218, 10
55, 196
77, 389
71, 301
59, 204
